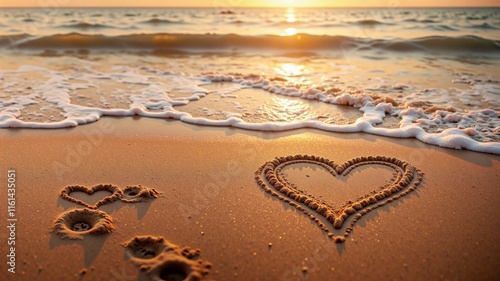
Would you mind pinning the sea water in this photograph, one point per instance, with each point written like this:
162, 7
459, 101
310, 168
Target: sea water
429, 74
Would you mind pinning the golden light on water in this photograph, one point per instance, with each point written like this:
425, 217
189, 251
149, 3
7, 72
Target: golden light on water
290, 31
290, 15
290, 106
289, 69
288, 110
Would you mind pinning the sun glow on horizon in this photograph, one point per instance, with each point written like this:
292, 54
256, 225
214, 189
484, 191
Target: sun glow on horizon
53, 4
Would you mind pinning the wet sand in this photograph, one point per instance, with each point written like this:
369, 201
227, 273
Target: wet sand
446, 228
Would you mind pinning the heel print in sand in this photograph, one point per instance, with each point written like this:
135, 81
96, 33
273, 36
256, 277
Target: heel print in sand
157, 257
162, 260
271, 178
77, 223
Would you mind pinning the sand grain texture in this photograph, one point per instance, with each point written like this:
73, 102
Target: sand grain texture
446, 229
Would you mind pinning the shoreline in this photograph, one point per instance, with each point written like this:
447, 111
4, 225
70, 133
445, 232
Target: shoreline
458, 137
209, 200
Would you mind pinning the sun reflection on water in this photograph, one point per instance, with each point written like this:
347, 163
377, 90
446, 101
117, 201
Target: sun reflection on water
286, 110
290, 15
291, 18
290, 31
289, 69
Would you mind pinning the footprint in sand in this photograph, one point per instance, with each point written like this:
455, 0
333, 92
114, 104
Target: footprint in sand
163, 260
157, 257
271, 178
138, 193
76, 223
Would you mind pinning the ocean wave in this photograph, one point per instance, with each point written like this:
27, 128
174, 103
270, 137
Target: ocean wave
227, 12
85, 25
442, 27
483, 26
477, 17
329, 25
368, 22
285, 23
299, 42
157, 21
442, 43
421, 21
238, 22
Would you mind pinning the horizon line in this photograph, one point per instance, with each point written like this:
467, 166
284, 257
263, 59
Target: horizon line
249, 7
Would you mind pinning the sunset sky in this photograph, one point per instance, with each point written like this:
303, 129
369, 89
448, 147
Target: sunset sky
246, 3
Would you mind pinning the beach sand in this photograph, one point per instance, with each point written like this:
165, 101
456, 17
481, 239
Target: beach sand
446, 229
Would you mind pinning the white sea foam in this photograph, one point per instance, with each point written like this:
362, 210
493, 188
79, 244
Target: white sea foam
248, 102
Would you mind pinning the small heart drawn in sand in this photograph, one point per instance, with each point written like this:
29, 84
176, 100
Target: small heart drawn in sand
271, 178
116, 194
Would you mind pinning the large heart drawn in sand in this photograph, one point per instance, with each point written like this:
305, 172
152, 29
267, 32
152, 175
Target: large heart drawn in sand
116, 194
270, 177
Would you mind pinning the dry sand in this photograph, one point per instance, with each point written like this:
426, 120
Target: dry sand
445, 229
